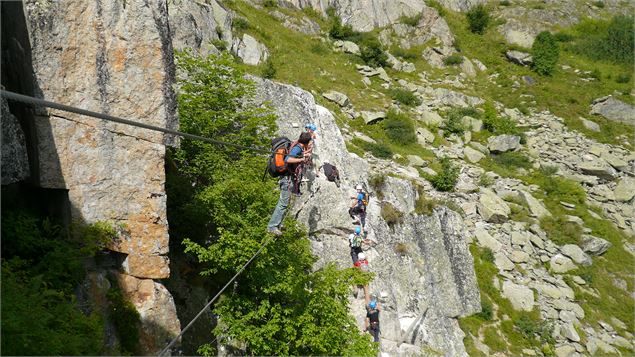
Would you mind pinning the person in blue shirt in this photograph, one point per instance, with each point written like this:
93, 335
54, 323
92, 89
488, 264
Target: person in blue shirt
293, 159
357, 211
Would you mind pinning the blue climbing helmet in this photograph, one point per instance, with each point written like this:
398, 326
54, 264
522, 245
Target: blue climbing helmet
372, 304
358, 230
311, 126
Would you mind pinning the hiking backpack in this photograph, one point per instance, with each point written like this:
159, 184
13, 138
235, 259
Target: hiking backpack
280, 148
331, 173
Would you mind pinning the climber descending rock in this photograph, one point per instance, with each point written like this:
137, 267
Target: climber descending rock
355, 241
372, 317
357, 211
309, 164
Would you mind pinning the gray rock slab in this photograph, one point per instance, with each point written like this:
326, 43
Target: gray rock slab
340, 98
520, 296
614, 109
503, 143
594, 245
561, 264
625, 189
373, 117
574, 252
492, 208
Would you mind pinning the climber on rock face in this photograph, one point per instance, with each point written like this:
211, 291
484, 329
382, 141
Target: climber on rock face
289, 182
308, 153
362, 262
355, 241
357, 211
372, 319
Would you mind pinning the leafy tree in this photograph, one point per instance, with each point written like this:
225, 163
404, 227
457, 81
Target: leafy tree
219, 207
545, 53
478, 19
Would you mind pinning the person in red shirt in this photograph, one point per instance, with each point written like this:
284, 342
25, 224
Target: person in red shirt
362, 262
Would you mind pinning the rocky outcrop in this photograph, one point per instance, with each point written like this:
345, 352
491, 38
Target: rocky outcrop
460, 5
249, 50
431, 26
503, 143
114, 58
15, 163
614, 109
197, 25
425, 277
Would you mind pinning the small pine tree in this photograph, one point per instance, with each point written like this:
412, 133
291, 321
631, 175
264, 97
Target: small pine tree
545, 53
372, 53
269, 70
478, 19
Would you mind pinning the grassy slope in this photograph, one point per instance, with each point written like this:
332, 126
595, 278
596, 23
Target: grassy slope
311, 64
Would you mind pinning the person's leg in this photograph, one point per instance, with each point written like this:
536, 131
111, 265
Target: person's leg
283, 203
354, 253
374, 331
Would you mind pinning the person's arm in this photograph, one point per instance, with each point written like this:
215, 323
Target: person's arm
366, 323
295, 160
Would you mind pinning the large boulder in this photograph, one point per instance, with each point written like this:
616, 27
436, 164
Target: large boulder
491, 207
472, 155
340, 98
503, 143
521, 58
598, 168
625, 190
521, 297
424, 136
372, 117
614, 109
594, 245
432, 292
484, 239
561, 264
574, 252
460, 5
350, 47
536, 208
250, 50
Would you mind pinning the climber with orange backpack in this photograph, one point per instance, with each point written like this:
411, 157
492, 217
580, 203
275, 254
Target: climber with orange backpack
357, 211
284, 162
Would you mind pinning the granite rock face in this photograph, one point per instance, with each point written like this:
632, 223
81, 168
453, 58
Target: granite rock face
196, 24
425, 283
15, 163
114, 58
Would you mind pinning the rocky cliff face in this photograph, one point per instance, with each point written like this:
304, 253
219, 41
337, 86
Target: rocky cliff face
425, 275
114, 58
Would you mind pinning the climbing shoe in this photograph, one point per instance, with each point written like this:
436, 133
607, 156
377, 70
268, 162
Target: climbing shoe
275, 231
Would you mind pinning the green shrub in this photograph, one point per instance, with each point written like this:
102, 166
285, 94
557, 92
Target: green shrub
504, 3
339, 31
545, 54
391, 214
611, 42
270, 3
425, 205
407, 54
399, 128
240, 23
560, 231
126, 319
485, 180
405, 97
487, 255
623, 78
411, 20
496, 124
512, 159
372, 53
319, 48
446, 179
401, 248
599, 4
453, 60
378, 150
454, 122
563, 37
269, 70
437, 6
526, 325
478, 19
486, 310
377, 181
331, 12
596, 74
220, 45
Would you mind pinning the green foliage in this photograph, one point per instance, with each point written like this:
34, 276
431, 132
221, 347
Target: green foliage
487, 255
407, 54
372, 53
623, 78
378, 150
219, 209
241, 24
599, 40
411, 20
401, 248
512, 159
220, 45
526, 325
391, 214
454, 120
446, 179
504, 3
453, 60
376, 181
545, 53
405, 97
126, 319
343, 32
559, 188
270, 3
437, 6
485, 181
496, 124
269, 70
42, 265
319, 48
599, 4
560, 231
425, 205
486, 310
399, 128
478, 18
